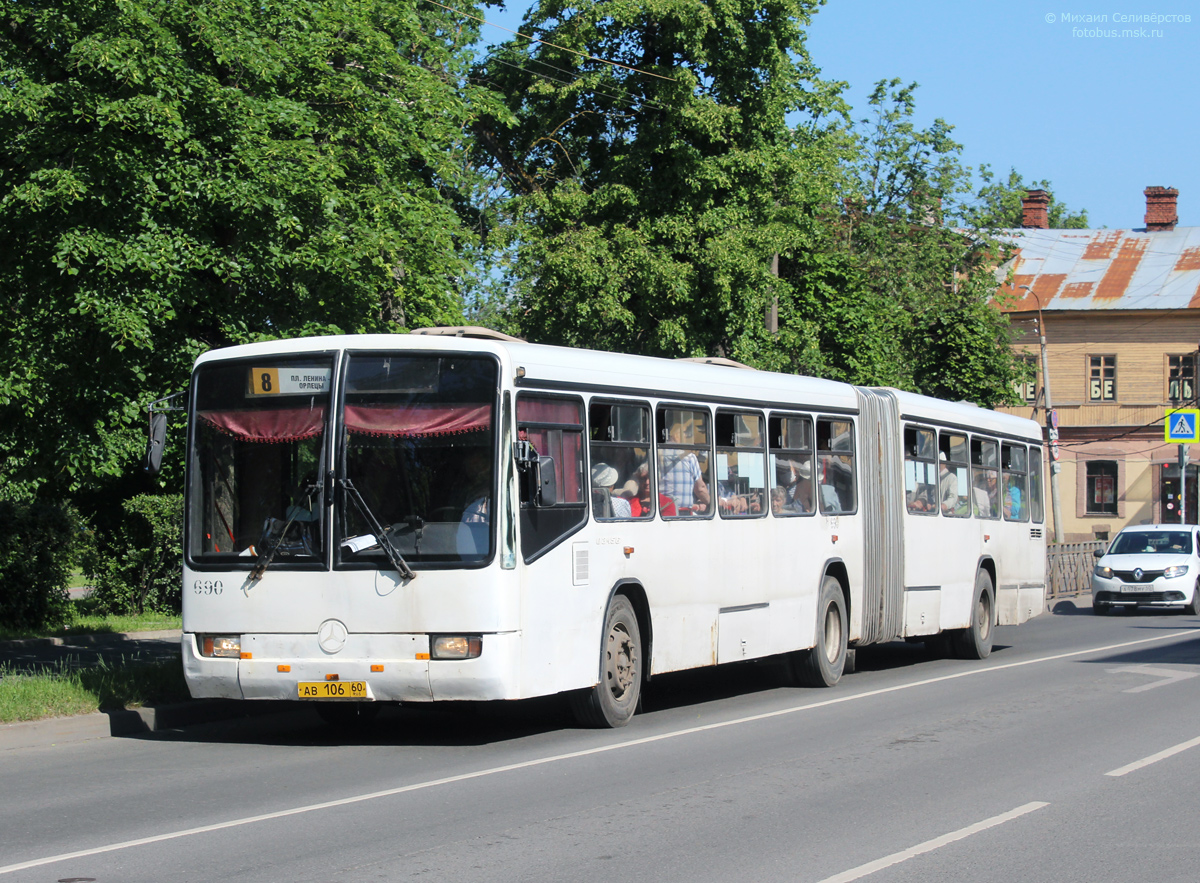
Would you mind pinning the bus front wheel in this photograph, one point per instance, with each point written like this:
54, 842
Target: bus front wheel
612, 702
975, 641
822, 666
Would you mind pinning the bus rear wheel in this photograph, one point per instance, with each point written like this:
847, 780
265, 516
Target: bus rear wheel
612, 702
823, 665
975, 641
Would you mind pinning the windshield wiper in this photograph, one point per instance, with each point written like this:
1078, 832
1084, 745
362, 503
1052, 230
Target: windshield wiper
264, 559
385, 542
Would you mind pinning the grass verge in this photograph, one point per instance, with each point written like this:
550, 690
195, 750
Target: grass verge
84, 623
60, 691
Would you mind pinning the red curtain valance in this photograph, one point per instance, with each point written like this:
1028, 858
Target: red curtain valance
417, 421
270, 427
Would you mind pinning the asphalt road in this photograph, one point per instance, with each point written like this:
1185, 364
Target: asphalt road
1072, 754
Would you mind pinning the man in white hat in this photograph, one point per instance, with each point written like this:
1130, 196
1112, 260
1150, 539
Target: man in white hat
604, 504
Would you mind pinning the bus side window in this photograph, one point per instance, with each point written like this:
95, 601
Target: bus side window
622, 482
920, 471
1016, 487
1035, 485
954, 478
553, 425
684, 462
741, 465
836, 489
790, 442
985, 480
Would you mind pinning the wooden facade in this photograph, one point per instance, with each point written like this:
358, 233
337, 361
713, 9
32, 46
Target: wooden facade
1122, 438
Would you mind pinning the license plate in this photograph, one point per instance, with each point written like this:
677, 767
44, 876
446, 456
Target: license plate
1139, 588
332, 690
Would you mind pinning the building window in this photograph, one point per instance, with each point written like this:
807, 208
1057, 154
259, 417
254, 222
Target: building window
1027, 389
1102, 378
1181, 379
1101, 487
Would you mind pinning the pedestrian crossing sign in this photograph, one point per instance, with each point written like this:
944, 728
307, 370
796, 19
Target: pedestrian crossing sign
1182, 426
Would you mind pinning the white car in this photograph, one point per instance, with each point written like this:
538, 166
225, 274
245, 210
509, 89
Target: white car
1151, 565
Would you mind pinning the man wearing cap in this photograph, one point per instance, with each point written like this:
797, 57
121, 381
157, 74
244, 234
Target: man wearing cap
605, 504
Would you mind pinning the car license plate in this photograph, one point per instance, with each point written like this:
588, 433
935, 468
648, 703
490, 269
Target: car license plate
1144, 587
332, 690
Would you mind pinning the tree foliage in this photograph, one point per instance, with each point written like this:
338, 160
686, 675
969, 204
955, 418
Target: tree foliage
181, 175
998, 203
652, 189
704, 193
136, 566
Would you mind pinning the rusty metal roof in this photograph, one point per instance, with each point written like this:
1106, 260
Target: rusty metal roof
1104, 269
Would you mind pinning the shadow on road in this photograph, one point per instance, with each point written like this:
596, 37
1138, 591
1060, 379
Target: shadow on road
485, 723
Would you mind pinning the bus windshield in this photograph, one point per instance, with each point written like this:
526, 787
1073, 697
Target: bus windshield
420, 448
256, 458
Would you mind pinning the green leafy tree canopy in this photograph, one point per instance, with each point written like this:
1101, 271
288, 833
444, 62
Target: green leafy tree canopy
181, 175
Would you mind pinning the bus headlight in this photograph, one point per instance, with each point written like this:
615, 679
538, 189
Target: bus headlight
221, 645
455, 646
1103, 572
1175, 570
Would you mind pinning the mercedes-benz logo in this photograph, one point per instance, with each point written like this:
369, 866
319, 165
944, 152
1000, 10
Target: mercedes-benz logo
331, 636
1137, 575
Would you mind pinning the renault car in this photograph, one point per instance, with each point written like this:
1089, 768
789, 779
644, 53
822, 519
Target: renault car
1150, 565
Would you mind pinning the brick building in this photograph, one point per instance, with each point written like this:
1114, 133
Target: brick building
1121, 313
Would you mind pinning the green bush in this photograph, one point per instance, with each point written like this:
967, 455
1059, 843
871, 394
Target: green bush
137, 566
39, 547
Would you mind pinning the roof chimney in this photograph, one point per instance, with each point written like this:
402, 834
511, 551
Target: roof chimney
1161, 214
1033, 209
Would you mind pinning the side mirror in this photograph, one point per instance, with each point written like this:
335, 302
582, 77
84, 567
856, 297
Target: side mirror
152, 462
547, 483
539, 485
1099, 553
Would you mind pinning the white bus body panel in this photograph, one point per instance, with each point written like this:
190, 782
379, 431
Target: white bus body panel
718, 590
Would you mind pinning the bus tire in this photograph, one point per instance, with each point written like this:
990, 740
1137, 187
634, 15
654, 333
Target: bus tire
823, 665
347, 715
612, 702
975, 641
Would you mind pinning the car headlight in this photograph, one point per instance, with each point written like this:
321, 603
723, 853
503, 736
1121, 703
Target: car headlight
1105, 572
1175, 570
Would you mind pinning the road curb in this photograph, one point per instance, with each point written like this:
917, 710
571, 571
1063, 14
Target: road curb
133, 721
90, 640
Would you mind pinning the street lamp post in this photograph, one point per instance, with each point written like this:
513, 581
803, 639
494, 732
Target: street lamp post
1051, 429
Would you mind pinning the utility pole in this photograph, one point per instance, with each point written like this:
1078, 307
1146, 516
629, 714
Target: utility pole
1051, 423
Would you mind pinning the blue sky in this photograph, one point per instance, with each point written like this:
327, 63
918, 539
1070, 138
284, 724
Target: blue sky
1101, 117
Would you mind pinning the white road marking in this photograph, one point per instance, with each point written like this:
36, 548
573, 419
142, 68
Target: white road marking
1167, 676
555, 758
1154, 758
930, 845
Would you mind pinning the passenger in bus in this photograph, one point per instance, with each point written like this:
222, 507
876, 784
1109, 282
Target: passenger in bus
1012, 499
682, 478
987, 497
641, 504
604, 503
795, 480
729, 501
947, 486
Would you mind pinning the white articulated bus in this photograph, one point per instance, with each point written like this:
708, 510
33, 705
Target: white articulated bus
429, 517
